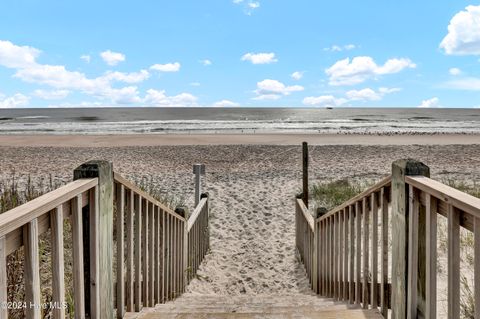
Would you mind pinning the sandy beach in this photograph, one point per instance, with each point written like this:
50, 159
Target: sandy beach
234, 139
252, 187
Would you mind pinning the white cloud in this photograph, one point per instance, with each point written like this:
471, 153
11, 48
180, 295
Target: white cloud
324, 101
133, 77
17, 100
466, 83
168, 67
260, 58
51, 95
86, 58
225, 103
369, 94
366, 94
297, 75
362, 68
206, 62
159, 98
112, 58
463, 36
58, 77
14, 56
273, 90
455, 71
433, 102
248, 6
195, 84
254, 5
338, 48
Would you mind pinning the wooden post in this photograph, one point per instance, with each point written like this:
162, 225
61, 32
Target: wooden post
100, 232
198, 170
305, 172
400, 222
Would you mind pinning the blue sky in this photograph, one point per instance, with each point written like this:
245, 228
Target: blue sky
231, 53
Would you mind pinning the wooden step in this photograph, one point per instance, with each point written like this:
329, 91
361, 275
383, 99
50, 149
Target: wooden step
326, 314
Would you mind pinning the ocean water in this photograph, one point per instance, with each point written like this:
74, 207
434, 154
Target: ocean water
239, 120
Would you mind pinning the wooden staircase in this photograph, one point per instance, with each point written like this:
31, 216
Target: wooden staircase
254, 306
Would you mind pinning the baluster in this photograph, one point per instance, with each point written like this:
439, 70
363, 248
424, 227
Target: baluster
58, 267
145, 251
384, 252
374, 262
120, 201
477, 266
138, 252
431, 257
358, 257
345, 253
130, 255
453, 263
151, 247
414, 208
3, 278
365, 253
351, 216
78, 271
340, 253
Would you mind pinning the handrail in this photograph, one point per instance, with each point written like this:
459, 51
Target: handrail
196, 213
459, 199
23, 214
122, 180
308, 217
375, 188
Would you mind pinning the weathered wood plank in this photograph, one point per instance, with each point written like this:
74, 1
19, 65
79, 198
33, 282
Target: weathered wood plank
445, 193
145, 253
32, 270
138, 252
158, 259
120, 231
374, 257
476, 267
384, 252
365, 252
78, 273
341, 238
122, 180
345, 254
375, 188
351, 288
3, 278
130, 255
453, 264
358, 251
151, 247
58, 266
414, 209
23, 214
401, 169
431, 257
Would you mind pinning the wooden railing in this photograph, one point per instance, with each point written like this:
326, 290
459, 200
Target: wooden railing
338, 261
427, 198
22, 225
154, 248
198, 236
343, 260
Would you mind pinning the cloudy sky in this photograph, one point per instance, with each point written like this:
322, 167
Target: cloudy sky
230, 53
